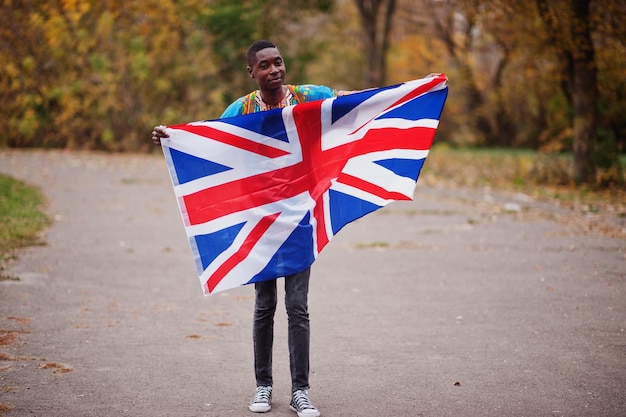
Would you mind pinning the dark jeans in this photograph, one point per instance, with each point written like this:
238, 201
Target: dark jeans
296, 296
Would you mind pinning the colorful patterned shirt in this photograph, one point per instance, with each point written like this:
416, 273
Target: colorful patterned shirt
296, 94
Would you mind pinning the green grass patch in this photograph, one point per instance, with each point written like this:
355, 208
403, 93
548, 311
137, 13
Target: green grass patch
21, 218
538, 174
499, 167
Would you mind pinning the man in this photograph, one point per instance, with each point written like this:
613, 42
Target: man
267, 67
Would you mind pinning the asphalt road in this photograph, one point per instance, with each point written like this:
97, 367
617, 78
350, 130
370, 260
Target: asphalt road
461, 303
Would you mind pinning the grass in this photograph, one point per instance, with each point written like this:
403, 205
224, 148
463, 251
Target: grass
21, 218
541, 176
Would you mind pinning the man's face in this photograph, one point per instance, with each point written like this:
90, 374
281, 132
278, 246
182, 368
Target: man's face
268, 69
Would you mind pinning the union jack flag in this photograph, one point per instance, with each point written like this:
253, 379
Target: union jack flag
262, 194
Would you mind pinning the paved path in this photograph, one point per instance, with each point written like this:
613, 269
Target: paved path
446, 306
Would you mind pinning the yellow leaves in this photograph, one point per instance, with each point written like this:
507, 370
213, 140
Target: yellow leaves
54, 29
139, 66
107, 136
415, 56
28, 63
162, 84
28, 124
75, 9
36, 19
70, 4
105, 25
11, 69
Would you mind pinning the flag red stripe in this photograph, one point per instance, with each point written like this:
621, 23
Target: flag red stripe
390, 138
370, 188
317, 167
420, 90
245, 249
233, 140
321, 235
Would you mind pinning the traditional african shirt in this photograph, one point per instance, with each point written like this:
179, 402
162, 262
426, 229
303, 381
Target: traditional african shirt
296, 94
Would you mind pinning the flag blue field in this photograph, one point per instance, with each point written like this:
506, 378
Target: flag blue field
262, 194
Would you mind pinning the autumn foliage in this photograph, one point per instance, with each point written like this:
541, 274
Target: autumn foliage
87, 74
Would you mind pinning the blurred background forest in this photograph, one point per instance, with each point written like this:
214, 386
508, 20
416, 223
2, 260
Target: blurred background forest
544, 75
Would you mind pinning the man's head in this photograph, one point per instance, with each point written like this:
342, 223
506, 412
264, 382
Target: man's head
256, 47
266, 65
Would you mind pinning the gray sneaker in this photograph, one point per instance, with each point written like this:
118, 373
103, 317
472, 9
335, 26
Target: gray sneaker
301, 404
262, 400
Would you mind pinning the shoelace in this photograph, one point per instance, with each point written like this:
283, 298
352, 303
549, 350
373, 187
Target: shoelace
262, 395
301, 400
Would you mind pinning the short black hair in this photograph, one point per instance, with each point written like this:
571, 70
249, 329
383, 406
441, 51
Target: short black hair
256, 47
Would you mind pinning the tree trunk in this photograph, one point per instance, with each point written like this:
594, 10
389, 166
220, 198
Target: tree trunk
582, 87
376, 30
584, 92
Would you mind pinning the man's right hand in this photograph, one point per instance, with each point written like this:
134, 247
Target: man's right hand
159, 133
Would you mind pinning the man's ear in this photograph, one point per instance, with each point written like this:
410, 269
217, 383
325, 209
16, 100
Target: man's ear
249, 68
